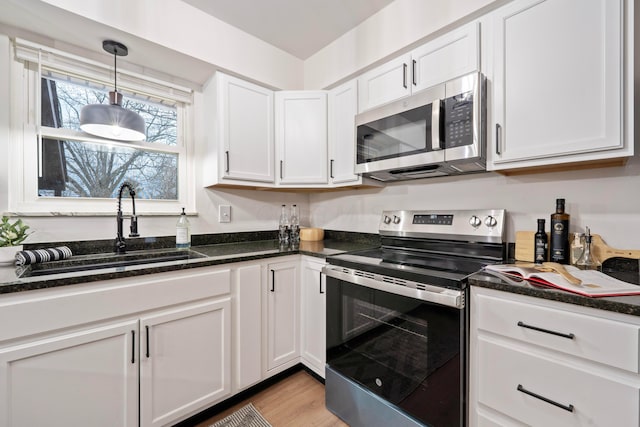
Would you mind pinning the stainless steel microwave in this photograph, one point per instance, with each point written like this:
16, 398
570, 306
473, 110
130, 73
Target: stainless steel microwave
436, 132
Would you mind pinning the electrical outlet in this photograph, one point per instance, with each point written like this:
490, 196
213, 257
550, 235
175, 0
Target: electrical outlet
224, 213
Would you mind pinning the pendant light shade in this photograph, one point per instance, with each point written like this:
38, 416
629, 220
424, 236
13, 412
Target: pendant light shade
112, 120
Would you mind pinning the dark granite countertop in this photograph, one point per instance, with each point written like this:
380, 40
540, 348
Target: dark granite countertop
621, 304
215, 251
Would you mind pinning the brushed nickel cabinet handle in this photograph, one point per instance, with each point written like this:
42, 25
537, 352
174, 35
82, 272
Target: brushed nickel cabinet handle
498, 139
226, 169
404, 75
413, 73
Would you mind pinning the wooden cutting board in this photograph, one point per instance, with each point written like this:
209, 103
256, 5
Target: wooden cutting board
525, 248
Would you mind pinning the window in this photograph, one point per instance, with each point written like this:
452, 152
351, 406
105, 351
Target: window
68, 171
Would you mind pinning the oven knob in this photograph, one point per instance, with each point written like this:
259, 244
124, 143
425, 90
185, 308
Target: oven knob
475, 221
386, 219
490, 221
396, 219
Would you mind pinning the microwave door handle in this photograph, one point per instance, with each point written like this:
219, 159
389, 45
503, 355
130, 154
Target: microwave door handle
436, 140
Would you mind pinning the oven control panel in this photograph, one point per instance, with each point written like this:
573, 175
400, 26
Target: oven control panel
485, 225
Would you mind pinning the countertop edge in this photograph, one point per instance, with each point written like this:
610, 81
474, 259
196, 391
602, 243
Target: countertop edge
624, 304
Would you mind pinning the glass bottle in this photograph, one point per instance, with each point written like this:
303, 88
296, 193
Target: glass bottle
577, 247
283, 229
588, 261
559, 247
541, 245
294, 227
183, 232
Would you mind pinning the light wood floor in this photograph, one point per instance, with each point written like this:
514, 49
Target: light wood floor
297, 400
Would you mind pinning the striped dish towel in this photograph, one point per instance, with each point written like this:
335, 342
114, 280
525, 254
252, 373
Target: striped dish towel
42, 255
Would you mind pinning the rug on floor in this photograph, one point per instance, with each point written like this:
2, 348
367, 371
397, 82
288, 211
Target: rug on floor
247, 416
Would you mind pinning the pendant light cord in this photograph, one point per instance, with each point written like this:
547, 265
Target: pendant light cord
115, 69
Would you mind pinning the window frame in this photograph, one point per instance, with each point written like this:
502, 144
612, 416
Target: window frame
26, 135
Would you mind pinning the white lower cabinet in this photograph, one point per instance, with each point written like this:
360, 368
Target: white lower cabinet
82, 378
247, 326
538, 362
313, 316
144, 351
283, 320
184, 361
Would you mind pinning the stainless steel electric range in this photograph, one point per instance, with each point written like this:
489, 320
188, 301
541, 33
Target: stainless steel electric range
397, 318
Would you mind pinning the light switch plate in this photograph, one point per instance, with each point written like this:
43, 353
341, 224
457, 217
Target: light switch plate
224, 213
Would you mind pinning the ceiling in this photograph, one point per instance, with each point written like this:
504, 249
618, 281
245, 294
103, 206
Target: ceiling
299, 27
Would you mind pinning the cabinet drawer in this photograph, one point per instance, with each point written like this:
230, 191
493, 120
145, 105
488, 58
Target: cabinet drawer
594, 400
606, 341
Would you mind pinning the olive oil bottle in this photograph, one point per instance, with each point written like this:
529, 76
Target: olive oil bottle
559, 245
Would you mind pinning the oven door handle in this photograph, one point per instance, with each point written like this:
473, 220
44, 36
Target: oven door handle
430, 293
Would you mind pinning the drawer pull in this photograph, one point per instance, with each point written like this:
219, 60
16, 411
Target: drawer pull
544, 399
546, 331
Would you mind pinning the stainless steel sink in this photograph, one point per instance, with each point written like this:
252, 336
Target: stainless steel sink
101, 261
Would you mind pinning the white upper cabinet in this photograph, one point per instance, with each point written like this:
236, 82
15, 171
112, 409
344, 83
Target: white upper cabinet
242, 146
559, 82
451, 55
301, 137
343, 107
384, 84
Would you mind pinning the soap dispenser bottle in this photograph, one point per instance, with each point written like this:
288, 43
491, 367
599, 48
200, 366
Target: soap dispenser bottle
183, 232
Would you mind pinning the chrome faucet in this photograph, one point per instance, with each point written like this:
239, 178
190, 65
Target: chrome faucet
120, 245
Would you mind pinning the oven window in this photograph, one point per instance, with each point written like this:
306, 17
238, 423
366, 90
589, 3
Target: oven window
405, 350
399, 135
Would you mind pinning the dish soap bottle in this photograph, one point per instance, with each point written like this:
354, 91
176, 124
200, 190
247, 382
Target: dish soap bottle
559, 248
541, 245
183, 232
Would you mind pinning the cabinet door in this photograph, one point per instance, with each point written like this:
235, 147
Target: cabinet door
313, 316
558, 80
452, 55
301, 137
246, 129
283, 301
247, 318
385, 83
85, 378
185, 361
343, 107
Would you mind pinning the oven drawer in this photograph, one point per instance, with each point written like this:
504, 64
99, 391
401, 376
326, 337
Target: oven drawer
516, 384
601, 340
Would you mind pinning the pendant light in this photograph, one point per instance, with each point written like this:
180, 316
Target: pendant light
112, 120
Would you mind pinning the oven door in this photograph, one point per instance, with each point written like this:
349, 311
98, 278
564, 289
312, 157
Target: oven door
405, 133
409, 352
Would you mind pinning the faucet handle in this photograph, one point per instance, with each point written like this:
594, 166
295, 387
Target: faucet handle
134, 227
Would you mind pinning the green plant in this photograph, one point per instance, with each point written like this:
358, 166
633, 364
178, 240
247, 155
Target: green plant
12, 234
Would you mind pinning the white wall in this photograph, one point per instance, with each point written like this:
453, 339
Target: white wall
607, 200
395, 28
162, 26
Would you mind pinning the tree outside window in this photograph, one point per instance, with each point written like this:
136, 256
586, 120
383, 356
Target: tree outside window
82, 169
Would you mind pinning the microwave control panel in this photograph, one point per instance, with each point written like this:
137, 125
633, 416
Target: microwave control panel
458, 120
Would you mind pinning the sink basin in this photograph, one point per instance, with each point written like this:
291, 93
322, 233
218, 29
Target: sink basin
100, 261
